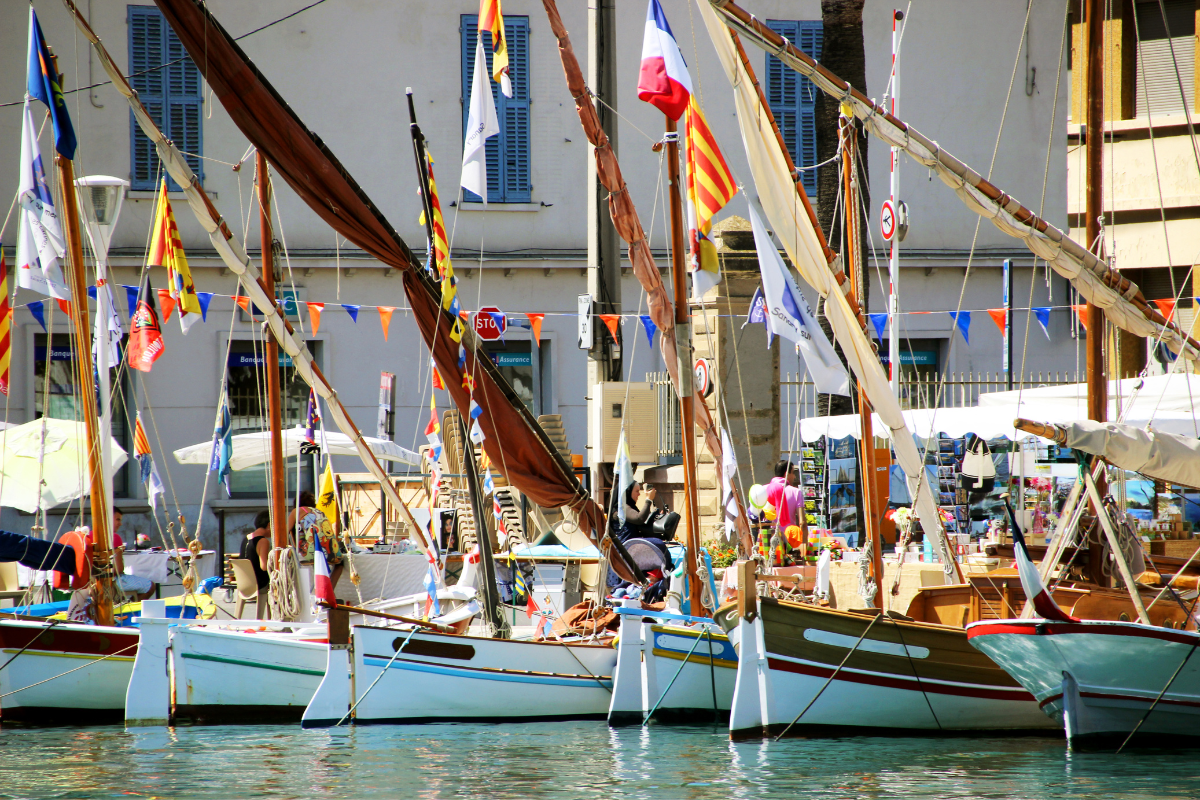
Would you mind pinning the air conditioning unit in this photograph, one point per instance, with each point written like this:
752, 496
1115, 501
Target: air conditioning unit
634, 405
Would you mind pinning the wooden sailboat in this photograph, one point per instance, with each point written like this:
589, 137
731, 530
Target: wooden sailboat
71, 672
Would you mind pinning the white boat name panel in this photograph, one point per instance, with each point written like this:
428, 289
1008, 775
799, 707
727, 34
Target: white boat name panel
818, 636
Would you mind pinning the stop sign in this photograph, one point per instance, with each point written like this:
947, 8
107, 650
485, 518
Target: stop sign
490, 323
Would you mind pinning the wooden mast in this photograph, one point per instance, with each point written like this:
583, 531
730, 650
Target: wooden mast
102, 569
279, 533
869, 524
683, 339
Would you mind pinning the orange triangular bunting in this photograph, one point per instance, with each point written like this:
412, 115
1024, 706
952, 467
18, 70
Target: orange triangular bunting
65, 306
385, 319
244, 302
1166, 307
167, 302
1081, 312
314, 316
611, 320
535, 323
999, 316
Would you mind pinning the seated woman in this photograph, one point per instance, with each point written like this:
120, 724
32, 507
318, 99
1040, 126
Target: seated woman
639, 508
141, 588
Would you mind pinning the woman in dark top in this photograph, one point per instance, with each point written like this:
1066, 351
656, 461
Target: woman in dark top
636, 519
256, 547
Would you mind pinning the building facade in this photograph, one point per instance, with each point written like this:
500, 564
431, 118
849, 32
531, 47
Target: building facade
343, 67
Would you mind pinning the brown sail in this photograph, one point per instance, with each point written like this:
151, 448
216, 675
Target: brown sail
529, 460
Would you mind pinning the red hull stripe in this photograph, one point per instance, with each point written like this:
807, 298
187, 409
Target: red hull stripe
1050, 629
906, 684
1116, 696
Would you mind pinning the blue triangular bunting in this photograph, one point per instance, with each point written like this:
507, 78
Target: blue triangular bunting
962, 320
1043, 318
650, 327
37, 308
92, 292
131, 297
205, 298
879, 322
352, 311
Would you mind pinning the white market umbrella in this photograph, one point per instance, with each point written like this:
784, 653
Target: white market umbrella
252, 449
64, 469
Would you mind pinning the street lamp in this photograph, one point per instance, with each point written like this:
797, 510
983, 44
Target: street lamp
100, 201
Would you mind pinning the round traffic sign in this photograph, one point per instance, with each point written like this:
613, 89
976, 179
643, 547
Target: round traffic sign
490, 323
704, 384
887, 220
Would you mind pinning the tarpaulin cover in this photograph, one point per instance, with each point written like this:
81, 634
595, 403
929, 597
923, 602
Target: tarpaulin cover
37, 553
529, 460
1164, 456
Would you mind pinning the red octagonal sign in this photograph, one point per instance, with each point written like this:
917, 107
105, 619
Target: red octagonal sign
490, 323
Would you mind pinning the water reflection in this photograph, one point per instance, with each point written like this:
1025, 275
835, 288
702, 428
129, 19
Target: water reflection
566, 760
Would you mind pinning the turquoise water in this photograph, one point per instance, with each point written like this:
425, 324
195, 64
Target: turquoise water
562, 760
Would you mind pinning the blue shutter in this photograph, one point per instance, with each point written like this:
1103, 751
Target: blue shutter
171, 92
792, 97
508, 151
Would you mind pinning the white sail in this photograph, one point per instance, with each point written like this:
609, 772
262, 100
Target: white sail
1162, 456
788, 218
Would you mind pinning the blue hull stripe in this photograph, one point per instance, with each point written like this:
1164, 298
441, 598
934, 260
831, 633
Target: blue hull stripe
582, 681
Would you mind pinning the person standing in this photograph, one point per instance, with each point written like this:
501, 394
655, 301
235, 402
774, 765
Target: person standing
256, 548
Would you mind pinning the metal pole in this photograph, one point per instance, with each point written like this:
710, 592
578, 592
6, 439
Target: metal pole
894, 259
1008, 326
683, 342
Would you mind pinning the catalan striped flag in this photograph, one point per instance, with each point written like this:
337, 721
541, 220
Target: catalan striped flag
491, 20
166, 250
441, 257
5, 326
709, 187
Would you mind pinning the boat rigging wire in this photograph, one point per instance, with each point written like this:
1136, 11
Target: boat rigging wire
68, 672
382, 672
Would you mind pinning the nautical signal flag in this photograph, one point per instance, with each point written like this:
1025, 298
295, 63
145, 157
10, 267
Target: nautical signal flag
438, 383
663, 81
491, 21
476, 409
710, 187
477, 435
145, 333
431, 433
489, 484
166, 250
5, 326
42, 84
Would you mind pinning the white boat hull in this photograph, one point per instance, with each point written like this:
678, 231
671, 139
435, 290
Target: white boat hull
67, 674
671, 673
1100, 679
403, 677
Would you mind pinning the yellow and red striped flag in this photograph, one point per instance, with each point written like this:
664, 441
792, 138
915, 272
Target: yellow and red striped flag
441, 256
5, 325
166, 250
491, 20
709, 187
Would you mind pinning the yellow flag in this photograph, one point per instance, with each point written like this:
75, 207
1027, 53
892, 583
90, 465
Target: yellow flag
491, 21
166, 250
327, 501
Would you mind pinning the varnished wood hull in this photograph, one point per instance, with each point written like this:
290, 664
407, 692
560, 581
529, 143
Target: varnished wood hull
902, 676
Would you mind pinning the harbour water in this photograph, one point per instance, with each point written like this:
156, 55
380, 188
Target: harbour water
563, 760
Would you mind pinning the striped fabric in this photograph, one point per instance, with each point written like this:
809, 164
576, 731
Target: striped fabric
5, 326
441, 255
709, 187
491, 20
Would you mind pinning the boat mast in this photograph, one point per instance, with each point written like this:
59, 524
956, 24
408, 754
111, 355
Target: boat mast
866, 442
894, 258
279, 533
490, 594
1094, 207
683, 339
101, 518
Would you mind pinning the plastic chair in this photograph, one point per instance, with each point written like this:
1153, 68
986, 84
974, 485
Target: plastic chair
247, 588
9, 588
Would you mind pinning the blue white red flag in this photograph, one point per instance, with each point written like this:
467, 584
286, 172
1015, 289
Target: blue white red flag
322, 583
1031, 582
663, 81
431, 587
489, 485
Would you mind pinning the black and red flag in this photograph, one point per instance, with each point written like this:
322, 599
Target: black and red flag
145, 333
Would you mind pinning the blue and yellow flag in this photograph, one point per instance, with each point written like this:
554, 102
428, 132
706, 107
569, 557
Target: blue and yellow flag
43, 85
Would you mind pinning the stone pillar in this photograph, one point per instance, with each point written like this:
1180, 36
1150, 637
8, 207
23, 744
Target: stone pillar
745, 374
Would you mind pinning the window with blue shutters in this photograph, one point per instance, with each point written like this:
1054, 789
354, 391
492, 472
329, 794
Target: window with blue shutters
792, 97
507, 151
169, 85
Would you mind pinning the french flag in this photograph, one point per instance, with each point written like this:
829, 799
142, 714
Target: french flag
322, 583
1031, 581
663, 81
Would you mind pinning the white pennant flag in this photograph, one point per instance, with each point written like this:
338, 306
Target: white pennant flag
39, 235
623, 472
481, 123
789, 315
114, 331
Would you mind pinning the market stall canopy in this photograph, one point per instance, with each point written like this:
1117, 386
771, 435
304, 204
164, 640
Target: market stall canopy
64, 467
252, 449
1163, 403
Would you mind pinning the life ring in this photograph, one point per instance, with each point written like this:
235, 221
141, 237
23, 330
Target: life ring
81, 542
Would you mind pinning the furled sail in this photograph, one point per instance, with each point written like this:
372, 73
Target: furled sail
784, 207
1093, 278
1162, 456
528, 458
